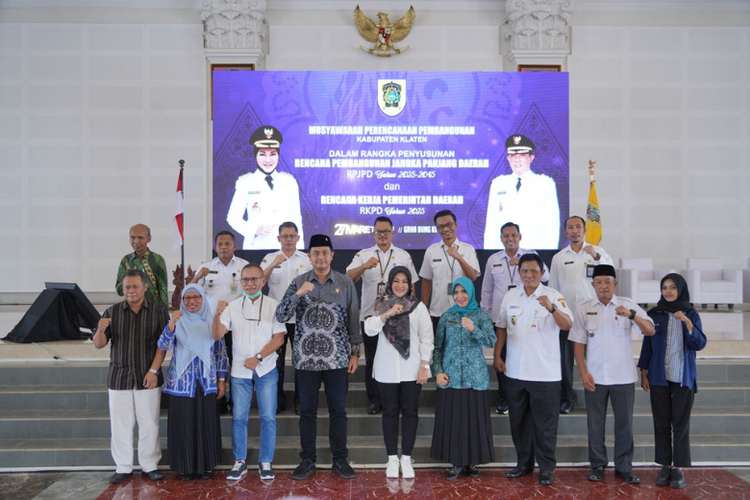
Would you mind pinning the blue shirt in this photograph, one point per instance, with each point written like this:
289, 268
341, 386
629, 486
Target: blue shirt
459, 353
654, 350
184, 385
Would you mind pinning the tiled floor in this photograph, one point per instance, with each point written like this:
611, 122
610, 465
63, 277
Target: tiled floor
703, 483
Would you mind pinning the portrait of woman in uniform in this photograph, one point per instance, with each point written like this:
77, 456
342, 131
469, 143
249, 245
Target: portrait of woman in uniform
265, 198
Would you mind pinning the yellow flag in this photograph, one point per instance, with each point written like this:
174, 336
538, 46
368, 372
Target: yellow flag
593, 221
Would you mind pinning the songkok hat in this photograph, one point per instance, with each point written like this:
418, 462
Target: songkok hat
266, 137
320, 240
604, 270
519, 144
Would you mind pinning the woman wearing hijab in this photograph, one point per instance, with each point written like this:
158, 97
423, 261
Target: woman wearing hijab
668, 373
463, 431
195, 381
401, 365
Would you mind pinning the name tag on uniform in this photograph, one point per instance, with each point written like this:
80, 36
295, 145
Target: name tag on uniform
566, 263
497, 265
511, 287
592, 313
437, 260
501, 192
253, 192
452, 322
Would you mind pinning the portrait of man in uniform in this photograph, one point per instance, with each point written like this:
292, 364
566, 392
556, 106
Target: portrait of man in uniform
524, 197
265, 198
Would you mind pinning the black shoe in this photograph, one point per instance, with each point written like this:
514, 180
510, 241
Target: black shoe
566, 407
502, 407
546, 478
373, 409
279, 409
517, 472
628, 477
664, 476
296, 409
596, 474
153, 475
472, 471
119, 477
305, 469
342, 468
678, 479
186, 477
206, 475
454, 473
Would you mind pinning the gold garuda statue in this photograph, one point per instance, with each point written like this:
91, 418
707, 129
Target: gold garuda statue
385, 33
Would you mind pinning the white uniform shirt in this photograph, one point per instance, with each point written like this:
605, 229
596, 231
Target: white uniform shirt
568, 274
533, 207
250, 336
389, 366
284, 273
443, 271
264, 206
533, 344
609, 351
225, 284
371, 277
498, 276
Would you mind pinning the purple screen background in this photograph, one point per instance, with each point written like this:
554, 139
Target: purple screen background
497, 104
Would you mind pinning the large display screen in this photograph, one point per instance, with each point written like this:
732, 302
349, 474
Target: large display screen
333, 150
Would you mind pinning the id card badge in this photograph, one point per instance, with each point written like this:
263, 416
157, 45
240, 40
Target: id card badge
590, 271
381, 289
511, 287
233, 288
450, 289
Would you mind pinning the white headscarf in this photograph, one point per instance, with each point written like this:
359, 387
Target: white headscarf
193, 335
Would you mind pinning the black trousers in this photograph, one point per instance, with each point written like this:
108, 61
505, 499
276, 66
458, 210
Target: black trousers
534, 411
336, 384
400, 398
567, 357
435, 320
371, 347
281, 363
671, 406
501, 376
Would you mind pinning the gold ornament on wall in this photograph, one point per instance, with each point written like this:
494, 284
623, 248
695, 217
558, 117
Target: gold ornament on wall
385, 33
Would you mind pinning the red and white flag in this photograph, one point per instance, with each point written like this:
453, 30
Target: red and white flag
179, 210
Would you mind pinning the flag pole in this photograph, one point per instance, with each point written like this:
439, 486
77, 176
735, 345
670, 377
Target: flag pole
182, 247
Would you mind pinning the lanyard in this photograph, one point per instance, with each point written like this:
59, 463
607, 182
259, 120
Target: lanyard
513, 273
380, 263
449, 263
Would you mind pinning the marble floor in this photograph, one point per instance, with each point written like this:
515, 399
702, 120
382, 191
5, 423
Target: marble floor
703, 483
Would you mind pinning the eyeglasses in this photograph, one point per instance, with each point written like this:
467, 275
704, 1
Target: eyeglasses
250, 280
380, 232
192, 298
288, 236
449, 225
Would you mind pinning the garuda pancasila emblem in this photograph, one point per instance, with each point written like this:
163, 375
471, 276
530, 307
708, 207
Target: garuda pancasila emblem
385, 33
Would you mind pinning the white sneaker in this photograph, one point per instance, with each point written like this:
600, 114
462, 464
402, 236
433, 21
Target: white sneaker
406, 469
239, 470
391, 470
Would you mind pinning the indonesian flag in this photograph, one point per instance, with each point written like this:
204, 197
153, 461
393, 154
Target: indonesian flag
593, 219
179, 210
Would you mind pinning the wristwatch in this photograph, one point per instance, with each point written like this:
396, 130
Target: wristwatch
259, 356
632, 314
554, 308
155, 372
426, 367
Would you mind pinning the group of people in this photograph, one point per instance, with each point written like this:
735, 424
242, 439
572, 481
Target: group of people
226, 326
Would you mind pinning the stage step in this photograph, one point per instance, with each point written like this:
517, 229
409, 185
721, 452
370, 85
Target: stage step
55, 415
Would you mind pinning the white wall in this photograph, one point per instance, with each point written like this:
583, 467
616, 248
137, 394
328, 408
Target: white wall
95, 113
93, 120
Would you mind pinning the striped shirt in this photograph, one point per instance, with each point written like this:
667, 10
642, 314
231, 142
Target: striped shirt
674, 359
328, 330
156, 271
134, 342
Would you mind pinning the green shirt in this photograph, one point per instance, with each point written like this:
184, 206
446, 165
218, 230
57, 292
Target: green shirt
156, 271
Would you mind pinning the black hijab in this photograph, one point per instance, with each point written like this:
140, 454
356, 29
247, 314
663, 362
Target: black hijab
396, 328
683, 296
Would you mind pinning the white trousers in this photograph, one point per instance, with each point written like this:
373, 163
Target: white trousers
125, 408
